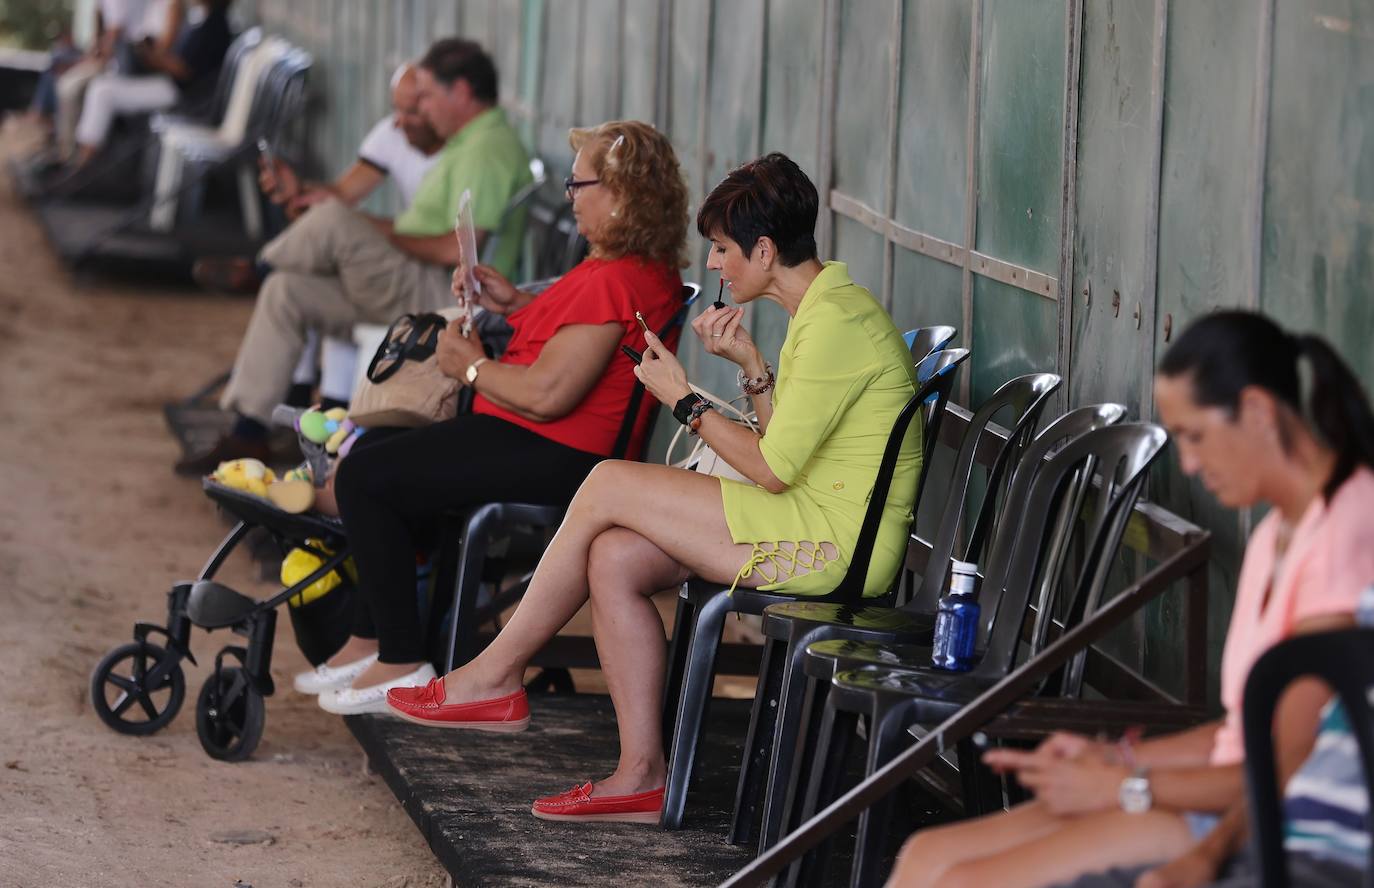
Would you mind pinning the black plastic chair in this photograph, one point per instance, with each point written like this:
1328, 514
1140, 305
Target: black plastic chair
924, 340
1029, 564
826, 658
703, 606
1344, 660
467, 552
781, 703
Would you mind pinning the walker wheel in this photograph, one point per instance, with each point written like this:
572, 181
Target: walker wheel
138, 688
229, 715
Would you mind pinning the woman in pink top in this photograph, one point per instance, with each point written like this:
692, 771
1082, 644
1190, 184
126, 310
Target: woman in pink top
1265, 418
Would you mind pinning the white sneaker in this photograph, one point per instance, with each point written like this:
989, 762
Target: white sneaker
328, 678
356, 701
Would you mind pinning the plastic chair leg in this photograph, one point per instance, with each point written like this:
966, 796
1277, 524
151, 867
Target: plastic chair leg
684, 623
886, 737
758, 743
693, 702
981, 788
462, 639
249, 202
786, 739
834, 738
812, 714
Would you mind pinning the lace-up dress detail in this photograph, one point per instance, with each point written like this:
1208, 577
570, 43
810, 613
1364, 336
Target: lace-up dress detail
781, 561
844, 374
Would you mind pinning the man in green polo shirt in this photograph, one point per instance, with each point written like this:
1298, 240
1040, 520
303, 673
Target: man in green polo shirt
365, 269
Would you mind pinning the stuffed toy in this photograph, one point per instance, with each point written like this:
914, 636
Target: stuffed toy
325, 437
249, 475
294, 493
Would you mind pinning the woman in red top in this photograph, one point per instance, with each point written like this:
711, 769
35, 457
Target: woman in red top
543, 415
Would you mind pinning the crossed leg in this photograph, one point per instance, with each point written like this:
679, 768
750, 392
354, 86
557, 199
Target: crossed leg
632, 530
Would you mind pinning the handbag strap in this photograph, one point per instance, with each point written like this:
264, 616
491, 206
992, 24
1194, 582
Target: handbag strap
407, 348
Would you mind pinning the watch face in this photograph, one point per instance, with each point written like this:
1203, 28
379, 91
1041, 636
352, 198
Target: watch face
471, 374
1134, 795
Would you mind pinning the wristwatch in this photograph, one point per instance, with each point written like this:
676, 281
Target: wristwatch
682, 410
471, 374
1134, 796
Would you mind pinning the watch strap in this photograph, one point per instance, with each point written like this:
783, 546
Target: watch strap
682, 410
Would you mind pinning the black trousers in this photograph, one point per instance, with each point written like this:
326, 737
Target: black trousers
395, 487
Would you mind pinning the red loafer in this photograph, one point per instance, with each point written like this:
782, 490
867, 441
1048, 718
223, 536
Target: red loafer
425, 706
578, 804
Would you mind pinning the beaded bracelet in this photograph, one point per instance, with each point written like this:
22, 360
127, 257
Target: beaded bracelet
698, 411
757, 385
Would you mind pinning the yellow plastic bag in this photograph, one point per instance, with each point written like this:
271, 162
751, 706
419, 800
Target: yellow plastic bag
300, 564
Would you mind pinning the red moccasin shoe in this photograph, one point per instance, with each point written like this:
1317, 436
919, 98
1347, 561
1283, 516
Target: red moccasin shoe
578, 804
425, 706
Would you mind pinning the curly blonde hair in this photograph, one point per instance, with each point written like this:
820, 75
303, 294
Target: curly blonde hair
638, 164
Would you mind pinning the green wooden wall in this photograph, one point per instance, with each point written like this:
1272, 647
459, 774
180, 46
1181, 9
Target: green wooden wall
1067, 181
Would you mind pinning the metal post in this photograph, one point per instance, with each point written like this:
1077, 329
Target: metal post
893, 115
975, 90
1068, 207
1149, 297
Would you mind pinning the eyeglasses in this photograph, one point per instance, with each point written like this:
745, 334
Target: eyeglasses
571, 185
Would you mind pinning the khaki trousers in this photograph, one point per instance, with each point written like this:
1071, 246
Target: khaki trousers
71, 88
331, 269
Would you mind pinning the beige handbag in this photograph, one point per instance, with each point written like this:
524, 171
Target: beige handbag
404, 386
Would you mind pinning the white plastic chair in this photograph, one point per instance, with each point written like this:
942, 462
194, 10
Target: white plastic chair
184, 144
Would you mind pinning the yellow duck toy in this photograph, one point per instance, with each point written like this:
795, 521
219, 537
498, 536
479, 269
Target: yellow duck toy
248, 475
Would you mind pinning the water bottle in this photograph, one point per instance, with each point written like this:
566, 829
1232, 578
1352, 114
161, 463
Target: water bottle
956, 624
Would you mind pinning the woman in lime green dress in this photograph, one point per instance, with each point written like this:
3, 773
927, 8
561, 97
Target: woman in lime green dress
843, 375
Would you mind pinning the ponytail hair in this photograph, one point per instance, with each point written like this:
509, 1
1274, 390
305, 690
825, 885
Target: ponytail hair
1228, 351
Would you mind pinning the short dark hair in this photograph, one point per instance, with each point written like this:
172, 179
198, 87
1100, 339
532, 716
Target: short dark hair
454, 58
767, 196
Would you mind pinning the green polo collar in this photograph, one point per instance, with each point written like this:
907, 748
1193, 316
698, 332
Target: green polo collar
488, 119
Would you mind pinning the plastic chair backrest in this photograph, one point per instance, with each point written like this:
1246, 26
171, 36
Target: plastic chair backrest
931, 397
247, 80
1031, 551
1344, 659
933, 410
280, 92
289, 95
924, 340
555, 244
690, 292
1025, 397
243, 44
538, 176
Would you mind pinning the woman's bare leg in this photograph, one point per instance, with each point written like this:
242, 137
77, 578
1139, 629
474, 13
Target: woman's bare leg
680, 512
937, 848
1075, 845
625, 569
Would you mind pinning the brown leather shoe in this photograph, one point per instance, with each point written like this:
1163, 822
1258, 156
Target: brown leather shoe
229, 274
226, 448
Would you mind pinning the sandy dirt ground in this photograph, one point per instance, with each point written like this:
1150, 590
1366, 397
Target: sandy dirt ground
94, 528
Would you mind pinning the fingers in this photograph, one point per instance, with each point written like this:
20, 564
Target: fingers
1008, 759
732, 325
717, 325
